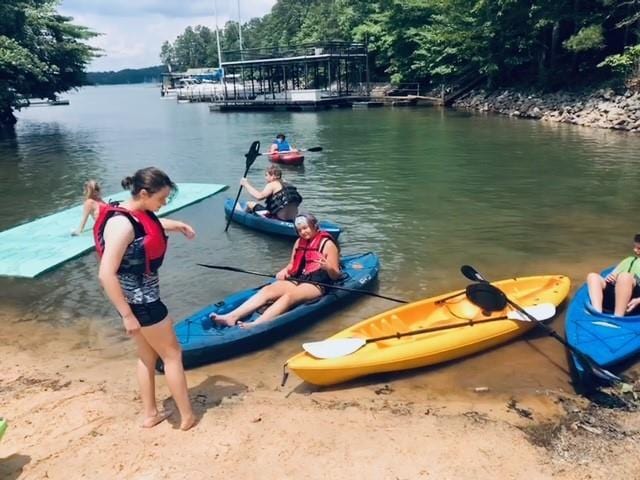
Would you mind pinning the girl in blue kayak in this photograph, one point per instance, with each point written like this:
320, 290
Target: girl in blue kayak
620, 290
281, 198
315, 258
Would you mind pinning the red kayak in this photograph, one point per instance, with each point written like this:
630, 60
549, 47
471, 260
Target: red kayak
291, 157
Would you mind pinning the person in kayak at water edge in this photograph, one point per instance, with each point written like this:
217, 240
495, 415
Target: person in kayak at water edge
620, 290
280, 144
131, 243
315, 257
281, 199
92, 202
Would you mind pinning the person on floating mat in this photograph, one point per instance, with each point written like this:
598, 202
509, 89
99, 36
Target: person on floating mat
620, 290
131, 243
92, 203
280, 144
282, 199
315, 258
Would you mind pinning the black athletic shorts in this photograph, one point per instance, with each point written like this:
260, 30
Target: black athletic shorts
609, 298
149, 313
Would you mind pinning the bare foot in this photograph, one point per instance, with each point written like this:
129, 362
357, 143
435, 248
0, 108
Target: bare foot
226, 320
159, 417
247, 325
188, 422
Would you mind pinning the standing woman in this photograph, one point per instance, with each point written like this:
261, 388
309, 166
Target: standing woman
131, 243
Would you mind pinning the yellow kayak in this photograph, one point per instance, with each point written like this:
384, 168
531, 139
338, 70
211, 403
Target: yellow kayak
458, 328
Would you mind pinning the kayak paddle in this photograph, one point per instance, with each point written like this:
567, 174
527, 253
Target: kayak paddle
320, 284
250, 156
491, 298
340, 347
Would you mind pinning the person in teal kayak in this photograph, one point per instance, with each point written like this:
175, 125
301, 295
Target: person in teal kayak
280, 144
281, 199
315, 257
620, 290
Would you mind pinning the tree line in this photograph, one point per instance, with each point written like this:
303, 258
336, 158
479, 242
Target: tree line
544, 43
127, 75
41, 54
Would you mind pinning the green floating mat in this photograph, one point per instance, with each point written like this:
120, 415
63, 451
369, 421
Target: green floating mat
35, 247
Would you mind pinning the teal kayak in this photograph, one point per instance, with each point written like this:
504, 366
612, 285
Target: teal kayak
273, 226
609, 340
203, 341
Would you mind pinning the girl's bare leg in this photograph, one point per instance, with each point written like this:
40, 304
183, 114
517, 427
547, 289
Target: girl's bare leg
596, 286
162, 339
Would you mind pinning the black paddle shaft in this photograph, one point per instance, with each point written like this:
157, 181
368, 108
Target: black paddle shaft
251, 155
320, 284
480, 294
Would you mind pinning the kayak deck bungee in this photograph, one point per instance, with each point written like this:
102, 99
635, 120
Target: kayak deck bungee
464, 338
269, 224
606, 338
203, 341
292, 157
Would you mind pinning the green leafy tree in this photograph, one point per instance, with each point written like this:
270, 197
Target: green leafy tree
41, 54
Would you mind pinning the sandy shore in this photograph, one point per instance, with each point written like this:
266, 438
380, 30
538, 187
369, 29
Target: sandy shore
74, 412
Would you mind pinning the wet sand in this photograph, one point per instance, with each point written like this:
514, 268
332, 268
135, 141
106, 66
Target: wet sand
71, 399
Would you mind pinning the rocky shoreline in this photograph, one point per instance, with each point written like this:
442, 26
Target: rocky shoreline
602, 108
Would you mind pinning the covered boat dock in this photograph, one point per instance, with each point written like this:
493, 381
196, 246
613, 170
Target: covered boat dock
304, 77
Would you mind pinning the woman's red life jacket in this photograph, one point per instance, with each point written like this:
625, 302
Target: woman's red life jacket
308, 253
146, 253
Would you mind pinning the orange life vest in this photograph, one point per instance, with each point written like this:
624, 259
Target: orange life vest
308, 253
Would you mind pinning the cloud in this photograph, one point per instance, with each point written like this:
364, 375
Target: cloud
133, 31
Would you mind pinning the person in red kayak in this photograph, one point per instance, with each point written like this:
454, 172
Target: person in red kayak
620, 290
131, 243
282, 199
280, 144
315, 257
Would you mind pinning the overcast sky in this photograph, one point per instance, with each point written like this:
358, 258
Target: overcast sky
133, 30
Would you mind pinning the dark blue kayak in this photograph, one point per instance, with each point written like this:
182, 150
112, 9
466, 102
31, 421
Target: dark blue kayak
270, 225
606, 338
203, 341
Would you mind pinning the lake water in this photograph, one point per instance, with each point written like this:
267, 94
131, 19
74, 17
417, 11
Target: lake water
426, 189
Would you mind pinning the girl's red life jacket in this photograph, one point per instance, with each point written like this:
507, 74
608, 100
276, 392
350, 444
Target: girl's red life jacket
308, 253
146, 253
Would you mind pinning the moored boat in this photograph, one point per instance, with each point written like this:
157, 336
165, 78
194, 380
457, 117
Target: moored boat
459, 328
203, 341
269, 224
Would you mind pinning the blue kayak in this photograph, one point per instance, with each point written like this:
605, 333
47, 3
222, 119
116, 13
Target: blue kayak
606, 338
270, 225
204, 341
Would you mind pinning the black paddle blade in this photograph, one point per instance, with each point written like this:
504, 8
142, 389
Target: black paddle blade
590, 366
487, 297
471, 273
314, 149
252, 154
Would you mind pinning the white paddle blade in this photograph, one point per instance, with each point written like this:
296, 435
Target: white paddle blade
541, 312
334, 348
